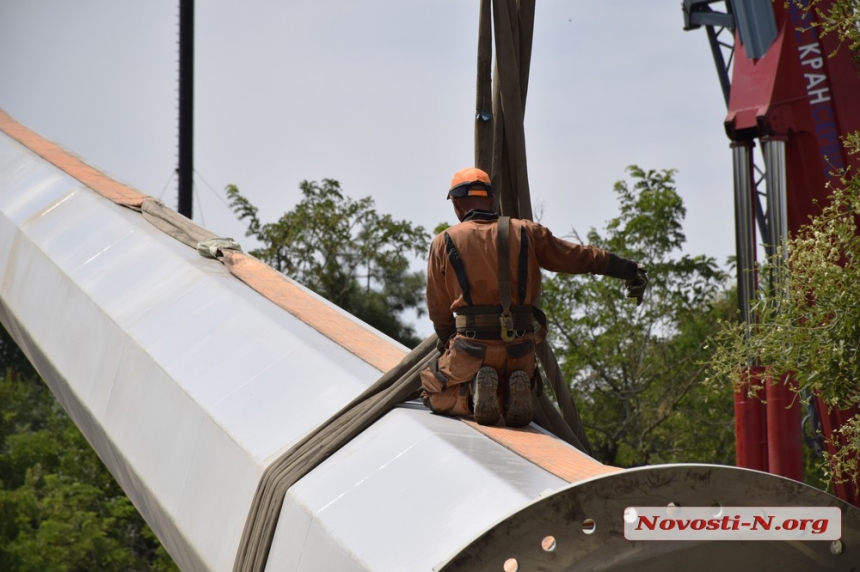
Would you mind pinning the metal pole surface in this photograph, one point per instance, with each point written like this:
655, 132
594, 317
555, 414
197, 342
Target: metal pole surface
784, 432
750, 414
186, 107
775, 180
744, 226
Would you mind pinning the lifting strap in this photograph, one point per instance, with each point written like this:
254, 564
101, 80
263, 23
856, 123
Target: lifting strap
506, 321
505, 273
523, 265
504, 227
400, 383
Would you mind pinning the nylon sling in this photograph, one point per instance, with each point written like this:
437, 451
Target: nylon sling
506, 321
399, 384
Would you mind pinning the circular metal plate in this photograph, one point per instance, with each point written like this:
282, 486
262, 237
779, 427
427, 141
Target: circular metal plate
582, 527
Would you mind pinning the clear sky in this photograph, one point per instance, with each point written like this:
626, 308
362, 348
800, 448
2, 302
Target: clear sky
376, 94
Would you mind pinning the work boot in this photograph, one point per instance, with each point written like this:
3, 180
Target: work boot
518, 405
485, 396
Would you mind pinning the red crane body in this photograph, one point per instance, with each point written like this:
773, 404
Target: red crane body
798, 93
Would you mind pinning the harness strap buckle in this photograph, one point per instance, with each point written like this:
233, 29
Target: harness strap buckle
506, 321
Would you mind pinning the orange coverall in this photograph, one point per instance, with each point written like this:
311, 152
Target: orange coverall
472, 245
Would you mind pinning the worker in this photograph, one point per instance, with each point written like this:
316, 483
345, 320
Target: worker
480, 293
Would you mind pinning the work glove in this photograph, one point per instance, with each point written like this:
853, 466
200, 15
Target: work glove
442, 337
636, 286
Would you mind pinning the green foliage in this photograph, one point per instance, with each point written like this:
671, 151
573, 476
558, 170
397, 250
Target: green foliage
807, 309
842, 466
60, 510
345, 251
635, 372
842, 18
441, 227
808, 319
13, 362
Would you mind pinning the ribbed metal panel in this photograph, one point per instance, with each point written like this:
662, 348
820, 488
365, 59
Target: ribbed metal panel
188, 384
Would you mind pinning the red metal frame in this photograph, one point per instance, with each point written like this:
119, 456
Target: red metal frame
799, 92
751, 424
784, 434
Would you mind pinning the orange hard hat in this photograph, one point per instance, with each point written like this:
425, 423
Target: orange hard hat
470, 182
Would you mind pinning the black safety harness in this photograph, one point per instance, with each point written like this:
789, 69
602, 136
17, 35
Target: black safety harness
498, 322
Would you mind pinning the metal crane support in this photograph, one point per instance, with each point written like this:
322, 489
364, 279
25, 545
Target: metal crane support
798, 102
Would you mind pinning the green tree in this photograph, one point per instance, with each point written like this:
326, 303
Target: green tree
60, 509
635, 371
808, 320
842, 18
345, 251
807, 317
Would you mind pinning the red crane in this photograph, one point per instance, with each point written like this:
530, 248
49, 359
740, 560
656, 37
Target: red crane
797, 93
